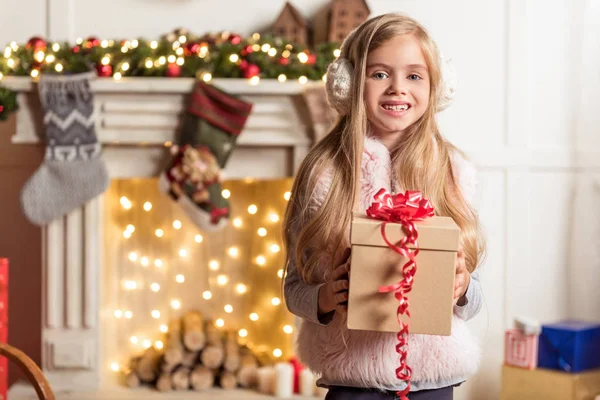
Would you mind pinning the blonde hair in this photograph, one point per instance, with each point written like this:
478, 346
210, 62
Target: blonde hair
421, 161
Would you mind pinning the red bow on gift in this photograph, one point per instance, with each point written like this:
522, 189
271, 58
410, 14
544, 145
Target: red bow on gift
404, 209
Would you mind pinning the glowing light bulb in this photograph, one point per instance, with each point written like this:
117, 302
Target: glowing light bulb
154, 44
176, 304
155, 314
288, 329
303, 57
287, 196
233, 252
273, 217
207, 77
180, 278
255, 80
282, 78
55, 47
159, 233
261, 260
183, 253
286, 54
158, 344
272, 52
276, 301
303, 80
266, 47
213, 265
228, 308
254, 316
145, 261
155, 287
105, 60
256, 47
324, 78
128, 314
274, 248
114, 366
179, 51
207, 295
125, 203
130, 228
58, 67
118, 76
130, 285
198, 238
118, 314
162, 60
125, 67
158, 263
237, 222
135, 43
133, 256
225, 193
134, 340
241, 288
171, 58
337, 52
234, 58
180, 61
39, 56
277, 353
262, 232
256, 36
280, 273
164, 328
177, 224
220, 323
147, 343
127, 234
147, 206
243, 333
222, 280
50, 58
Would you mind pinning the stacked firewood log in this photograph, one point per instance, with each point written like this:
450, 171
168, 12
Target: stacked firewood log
196, 355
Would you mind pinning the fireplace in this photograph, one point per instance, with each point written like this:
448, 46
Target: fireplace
119, 267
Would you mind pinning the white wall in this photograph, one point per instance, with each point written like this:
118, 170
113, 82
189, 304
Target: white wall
526, 111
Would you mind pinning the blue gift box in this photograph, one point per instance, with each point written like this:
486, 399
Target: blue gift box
571, 346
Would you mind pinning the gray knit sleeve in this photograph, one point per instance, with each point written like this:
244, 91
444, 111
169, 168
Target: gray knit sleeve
473, 299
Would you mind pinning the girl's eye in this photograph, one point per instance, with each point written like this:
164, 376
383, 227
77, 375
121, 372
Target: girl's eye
414, 77
380, 75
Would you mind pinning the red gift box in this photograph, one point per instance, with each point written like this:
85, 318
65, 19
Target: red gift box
520, 350
3, 325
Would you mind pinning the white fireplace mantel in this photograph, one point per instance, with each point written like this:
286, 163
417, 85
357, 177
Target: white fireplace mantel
136, 117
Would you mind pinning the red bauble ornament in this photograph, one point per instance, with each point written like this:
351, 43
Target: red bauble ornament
91, 42
243, 65
284, 61
312, 59
36, 44
173, 70
235, 39
249, 49
191, 49
105, 70
251, 70
76, 49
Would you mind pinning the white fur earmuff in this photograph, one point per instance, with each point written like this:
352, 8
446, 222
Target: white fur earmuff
339, 84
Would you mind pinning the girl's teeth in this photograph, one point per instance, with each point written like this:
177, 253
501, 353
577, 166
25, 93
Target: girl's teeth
402, 107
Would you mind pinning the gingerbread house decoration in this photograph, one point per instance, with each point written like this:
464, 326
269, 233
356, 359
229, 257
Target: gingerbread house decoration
334, 22
291, 25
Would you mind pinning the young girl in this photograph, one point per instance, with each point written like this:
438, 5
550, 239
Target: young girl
387, 86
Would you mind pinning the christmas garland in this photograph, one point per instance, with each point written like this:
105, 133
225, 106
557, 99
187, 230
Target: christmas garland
177, 54
8, 103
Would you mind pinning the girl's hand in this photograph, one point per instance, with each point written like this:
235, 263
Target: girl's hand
462, 279
333, 295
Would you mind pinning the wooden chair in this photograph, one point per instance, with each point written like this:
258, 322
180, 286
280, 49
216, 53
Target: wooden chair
30, 369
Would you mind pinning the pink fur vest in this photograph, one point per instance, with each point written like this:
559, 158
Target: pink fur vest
369, 359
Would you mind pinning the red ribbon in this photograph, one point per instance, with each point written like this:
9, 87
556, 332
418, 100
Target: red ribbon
217, 213
405, 209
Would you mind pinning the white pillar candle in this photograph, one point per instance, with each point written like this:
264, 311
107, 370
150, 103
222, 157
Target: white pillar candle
284, 380
266, 380
307, 383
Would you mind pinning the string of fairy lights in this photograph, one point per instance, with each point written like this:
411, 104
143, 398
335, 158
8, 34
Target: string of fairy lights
214, 265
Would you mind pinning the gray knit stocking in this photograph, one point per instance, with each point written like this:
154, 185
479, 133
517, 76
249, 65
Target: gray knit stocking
72, 172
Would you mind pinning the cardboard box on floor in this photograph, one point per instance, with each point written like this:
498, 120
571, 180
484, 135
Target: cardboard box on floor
374, 264
544, 384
